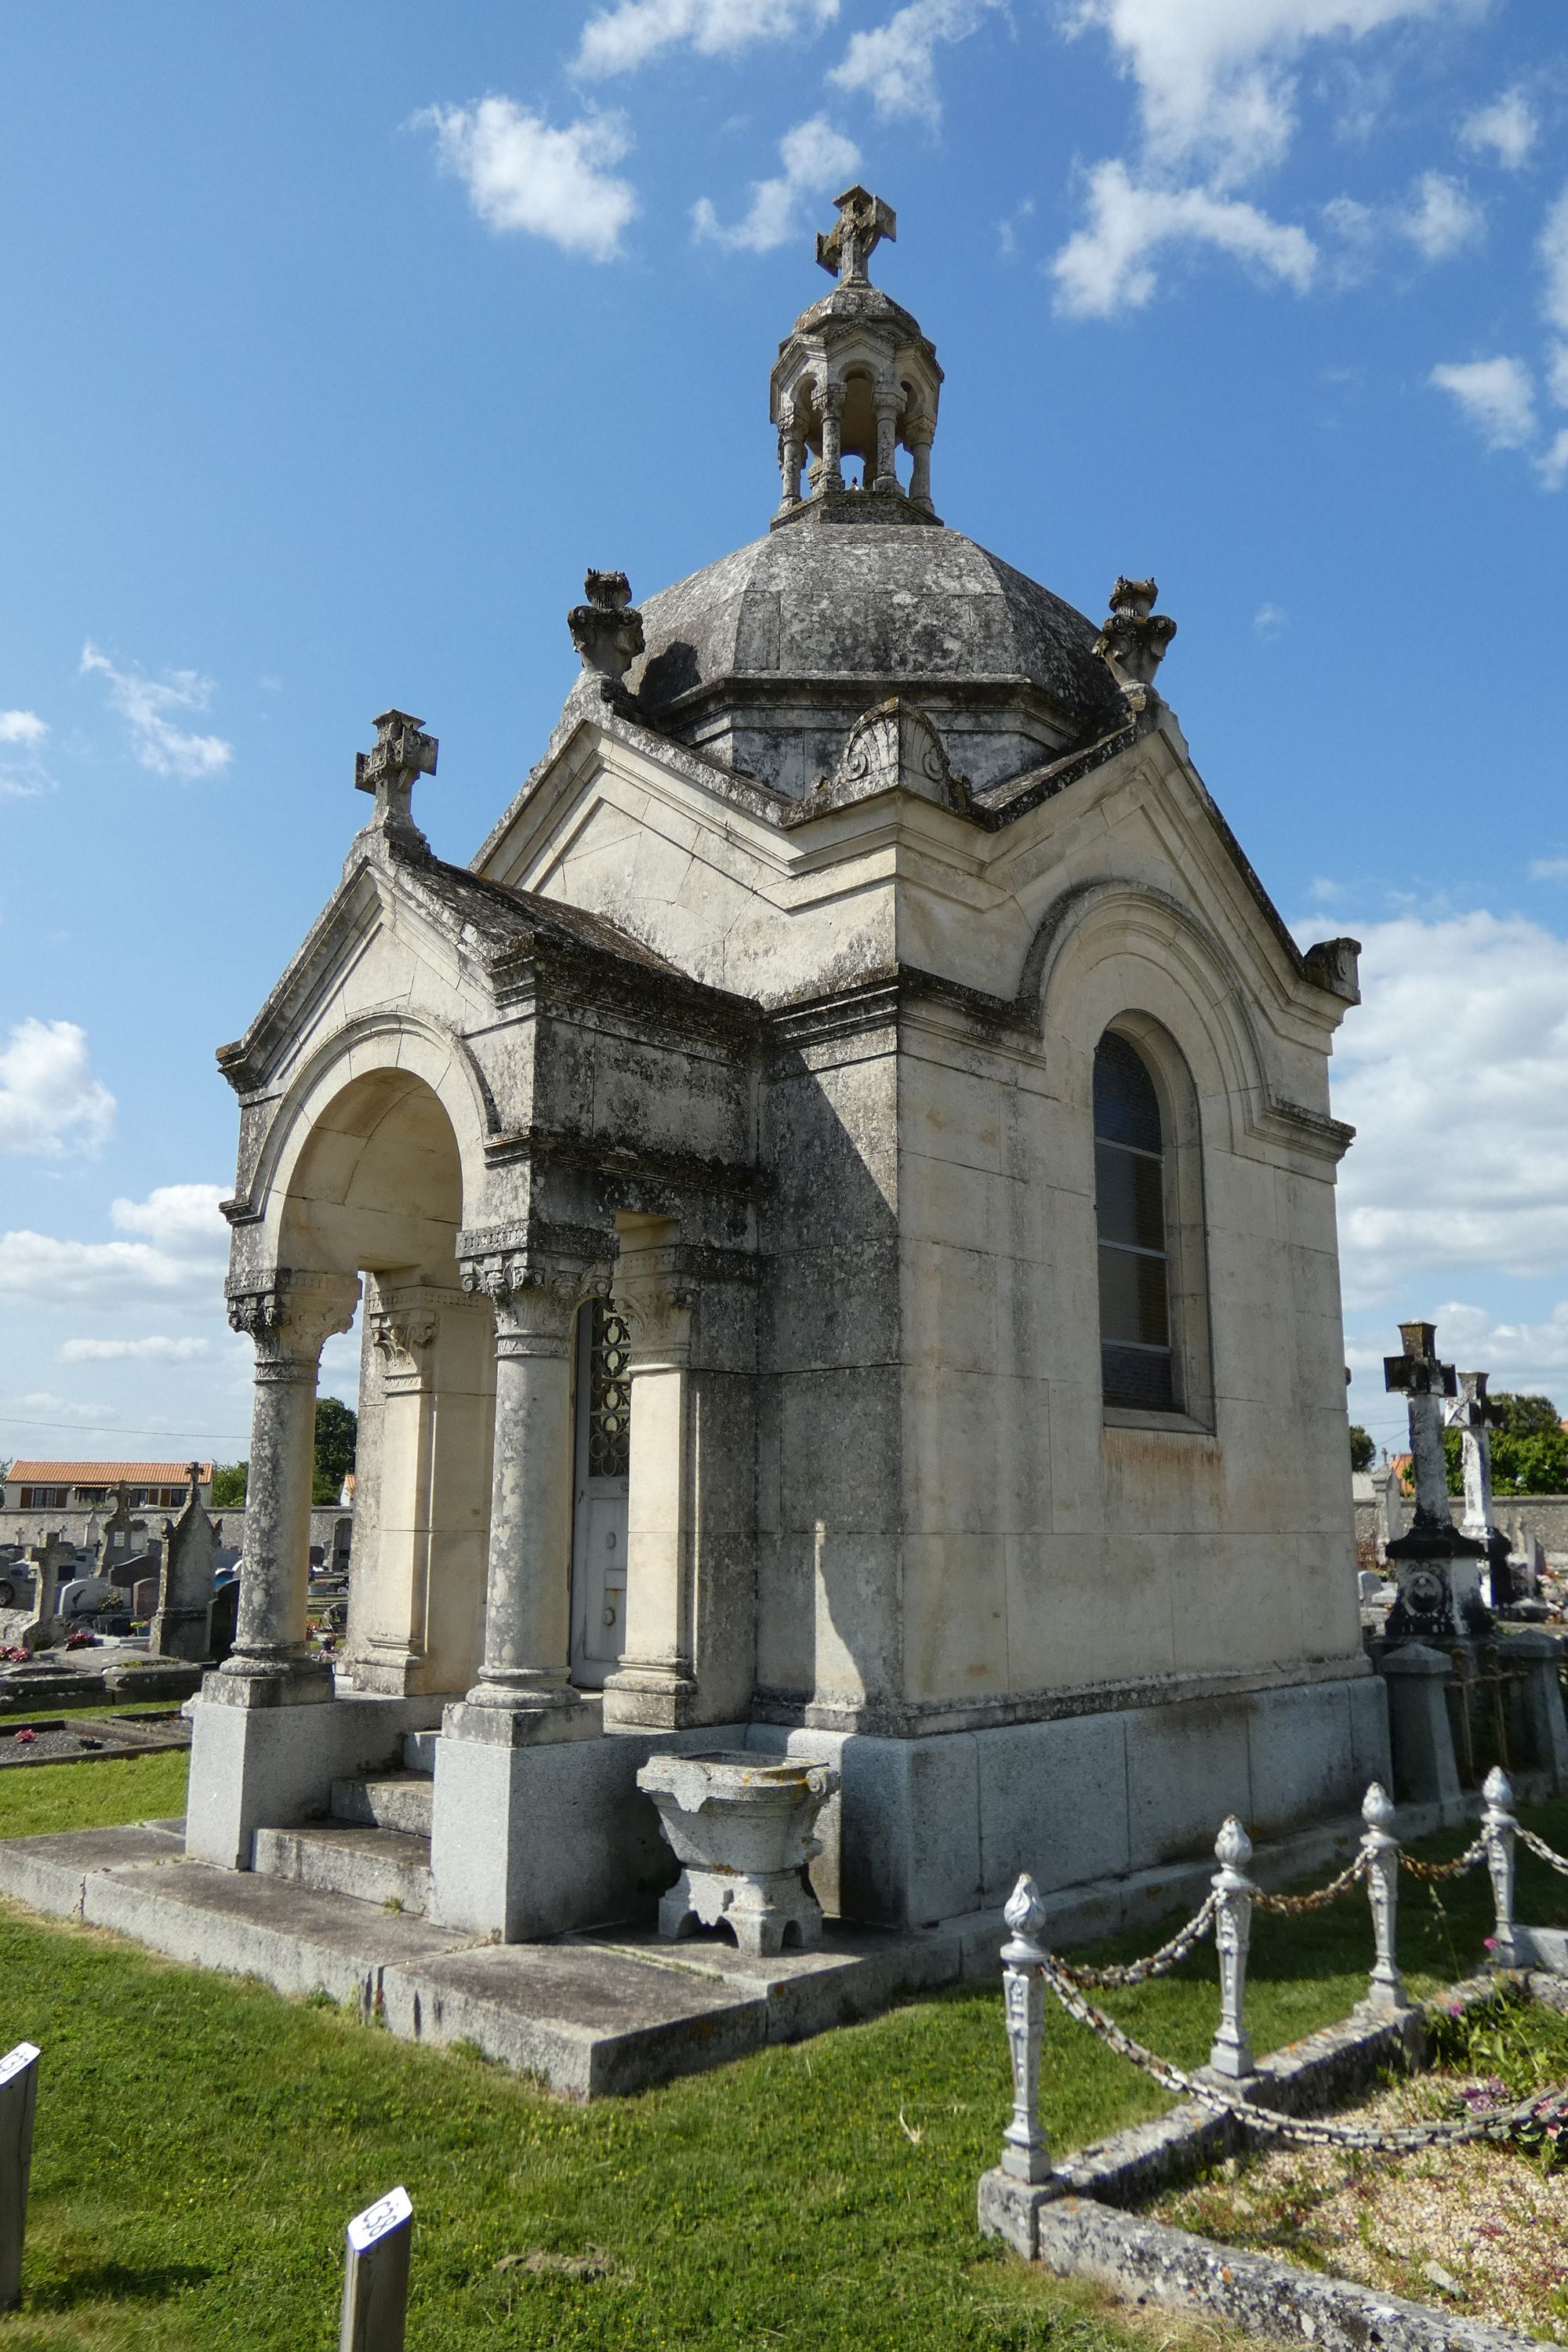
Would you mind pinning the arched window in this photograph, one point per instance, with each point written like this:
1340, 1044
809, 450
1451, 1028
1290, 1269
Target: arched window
1129, 1144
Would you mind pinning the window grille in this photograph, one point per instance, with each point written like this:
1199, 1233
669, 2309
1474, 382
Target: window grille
1130, 1206
609, 1395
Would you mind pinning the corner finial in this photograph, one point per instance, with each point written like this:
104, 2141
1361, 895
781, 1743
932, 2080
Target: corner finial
607, 629
1133, 640
864, 220
401, 753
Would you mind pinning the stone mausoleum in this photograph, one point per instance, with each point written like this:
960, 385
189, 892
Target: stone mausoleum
840, 1194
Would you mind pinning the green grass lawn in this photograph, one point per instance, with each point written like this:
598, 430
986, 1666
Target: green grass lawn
200, 2142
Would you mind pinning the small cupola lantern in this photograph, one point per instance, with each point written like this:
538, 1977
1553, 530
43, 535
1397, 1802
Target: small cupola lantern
855, 378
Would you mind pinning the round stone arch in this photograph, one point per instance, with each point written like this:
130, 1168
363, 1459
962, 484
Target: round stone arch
375, 1156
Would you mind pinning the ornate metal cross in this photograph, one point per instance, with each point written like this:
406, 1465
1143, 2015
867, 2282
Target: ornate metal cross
1424, 1383
864, 220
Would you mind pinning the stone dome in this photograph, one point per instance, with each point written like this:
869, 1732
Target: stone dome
766, 659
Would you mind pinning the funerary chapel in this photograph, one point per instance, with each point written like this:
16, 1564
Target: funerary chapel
838, 1197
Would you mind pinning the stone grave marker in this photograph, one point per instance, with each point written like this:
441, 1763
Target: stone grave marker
180, 1628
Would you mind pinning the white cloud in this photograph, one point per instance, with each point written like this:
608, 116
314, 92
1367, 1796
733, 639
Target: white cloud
182, 1262
1454, 1070
137, 1352
1268, 620
522, 174
23, 774
620, 40
1548, 869
814, 156
49, 1101
1508, 129
1552, 248
1107, 266
894, 64
1552, 465
1497, 396
1213, 76
145, 704
1441, 218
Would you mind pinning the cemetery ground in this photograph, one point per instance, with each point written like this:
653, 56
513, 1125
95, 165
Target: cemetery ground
202, 2141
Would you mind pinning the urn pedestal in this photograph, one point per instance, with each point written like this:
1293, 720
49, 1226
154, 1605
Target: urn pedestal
741, 1828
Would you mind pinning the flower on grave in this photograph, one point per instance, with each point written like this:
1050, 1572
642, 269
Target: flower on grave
1489, 1943
79, 1638
24, 1738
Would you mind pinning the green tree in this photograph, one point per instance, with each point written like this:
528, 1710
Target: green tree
1525, 1416
1361, 1448
336, 1431
229, 1481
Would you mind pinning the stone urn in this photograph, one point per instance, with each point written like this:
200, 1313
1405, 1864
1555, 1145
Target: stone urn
741, 1828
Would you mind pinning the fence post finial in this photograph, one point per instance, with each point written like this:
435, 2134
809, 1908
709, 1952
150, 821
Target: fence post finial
1232, 2052
1498, 1828
1386, 1993
1025, 2151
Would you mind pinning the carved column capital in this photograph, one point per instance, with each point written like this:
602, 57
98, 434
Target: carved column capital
290, 1315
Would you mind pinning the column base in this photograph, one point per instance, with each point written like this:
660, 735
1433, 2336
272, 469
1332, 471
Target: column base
577, 1714
269, 1682
651, 1698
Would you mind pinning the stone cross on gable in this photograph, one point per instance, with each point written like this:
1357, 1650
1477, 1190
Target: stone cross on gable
1424, 1383
194, 1472
864, 220
401, 753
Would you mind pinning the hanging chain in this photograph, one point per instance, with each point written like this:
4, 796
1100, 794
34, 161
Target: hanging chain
1156, 1964
1293, 1905
1539, 1847
1434, 1870
1544, 2107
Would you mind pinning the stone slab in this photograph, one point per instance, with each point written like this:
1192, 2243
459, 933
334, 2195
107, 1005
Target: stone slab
391, 1868
50, 1874
590, 2023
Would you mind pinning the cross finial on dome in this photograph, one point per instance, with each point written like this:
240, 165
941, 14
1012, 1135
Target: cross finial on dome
864, 220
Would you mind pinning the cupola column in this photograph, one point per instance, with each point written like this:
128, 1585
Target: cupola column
918, 433
832, 412
792, 445
886, 402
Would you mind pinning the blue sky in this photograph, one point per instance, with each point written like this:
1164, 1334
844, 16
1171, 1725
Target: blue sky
339, 340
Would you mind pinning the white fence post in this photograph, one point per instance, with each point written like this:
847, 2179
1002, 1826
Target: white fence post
376, 2276
18, 2095
1232, 2052
1385, 1992
1025, 2151
1498, 1828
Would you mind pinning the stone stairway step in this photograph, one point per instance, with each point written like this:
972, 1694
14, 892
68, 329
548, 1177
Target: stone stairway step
388, 1867
392, 1801
419, 1750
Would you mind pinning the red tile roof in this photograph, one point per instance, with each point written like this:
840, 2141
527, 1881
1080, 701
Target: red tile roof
104, 1474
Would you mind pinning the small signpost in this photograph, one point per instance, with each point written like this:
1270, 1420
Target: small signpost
376, 2276
18, 2091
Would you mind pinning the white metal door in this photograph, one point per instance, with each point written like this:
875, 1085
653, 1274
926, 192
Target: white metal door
599, 1513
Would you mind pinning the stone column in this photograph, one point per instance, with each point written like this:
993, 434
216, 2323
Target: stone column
886, 401
832, 411
791, 448
526, 1672
1545, 1726
1420, 1738
919, 435
288, 1319
655, 1683
390, 1592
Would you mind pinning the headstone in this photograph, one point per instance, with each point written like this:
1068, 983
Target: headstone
18, 2094
376, 2276
221, 1621
37, 1625
181, 1628
1370, 1585
1437, 1567
119, 1542
1471, 1412
144, 1598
